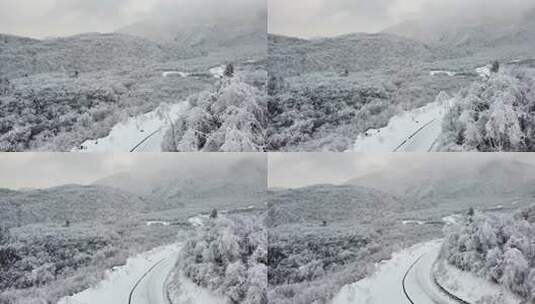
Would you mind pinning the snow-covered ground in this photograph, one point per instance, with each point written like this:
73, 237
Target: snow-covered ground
471, 288
409, 277
386, 284
411, 131
158, 223
452, 219
440, 72
120, 282
189, 293
173, 73
146, 130
483, 71
218, 71
198, 220
413, 222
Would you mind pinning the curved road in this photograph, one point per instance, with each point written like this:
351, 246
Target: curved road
423, 140
151, 287
418, 284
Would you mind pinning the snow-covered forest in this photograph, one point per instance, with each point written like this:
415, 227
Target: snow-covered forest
228, 118
332, 242
70, 240
325, 92
228, 256
57, 93
495, 114
498, 248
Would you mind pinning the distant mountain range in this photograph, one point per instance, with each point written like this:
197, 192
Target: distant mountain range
355, 52
72, 203
85, 53
245, 180
493, 182
408, 44
470, 34
137, 46
329, 203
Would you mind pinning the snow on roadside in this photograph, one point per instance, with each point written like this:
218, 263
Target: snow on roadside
126, 135
413, 222
471, 288
384, 286
116, 287
218, 71
440, 72
401, 127
198, 220
172, 73
187, 292
158, 223
483, 71
452, 219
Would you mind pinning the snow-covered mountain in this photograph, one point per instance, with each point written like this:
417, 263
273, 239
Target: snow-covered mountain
491, 181
471, 33
200, 33
72, 203
328, 203
21, 56
354, 52
245, 179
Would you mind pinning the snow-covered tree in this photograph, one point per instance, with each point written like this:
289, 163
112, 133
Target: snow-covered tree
231, 118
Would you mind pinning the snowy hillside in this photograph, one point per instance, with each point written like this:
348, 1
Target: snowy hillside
471, 34
484, 182
69, 203
354, 52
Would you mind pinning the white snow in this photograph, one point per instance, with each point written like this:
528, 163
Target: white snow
413, 222
117, 285
483, 71
451, 219
172, 73
158, 223
471, 288
411, 131
385, 285
198, 220
190, 293
218, 71
440, 72
126, 135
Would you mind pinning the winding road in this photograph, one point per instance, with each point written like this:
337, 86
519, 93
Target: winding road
419, 286
411, 131
151, 287
404, 279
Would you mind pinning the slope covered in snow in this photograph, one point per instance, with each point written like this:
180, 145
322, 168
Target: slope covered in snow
143, 133
406, 278
121, 284
411, 131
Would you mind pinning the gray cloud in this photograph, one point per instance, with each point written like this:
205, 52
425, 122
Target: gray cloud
311, 18
303, 169
44, 170
50, 18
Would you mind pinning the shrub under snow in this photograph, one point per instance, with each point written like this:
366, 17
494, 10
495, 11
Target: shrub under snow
229, 256
497, 247
230, 118
495, 114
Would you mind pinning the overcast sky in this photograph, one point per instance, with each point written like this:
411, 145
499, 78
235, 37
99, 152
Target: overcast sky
44, 170
295, 170
317, 18
52, 18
